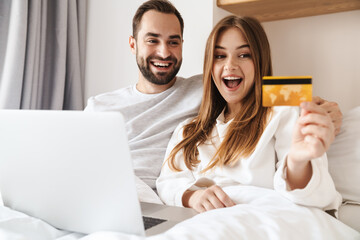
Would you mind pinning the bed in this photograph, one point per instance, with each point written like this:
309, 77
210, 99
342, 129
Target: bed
263, 213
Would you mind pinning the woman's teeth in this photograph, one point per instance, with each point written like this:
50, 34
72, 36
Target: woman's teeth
232, 82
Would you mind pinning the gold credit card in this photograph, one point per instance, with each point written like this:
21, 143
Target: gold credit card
286, 91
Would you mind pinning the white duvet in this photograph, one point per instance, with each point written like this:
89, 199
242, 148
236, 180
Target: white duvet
260, 214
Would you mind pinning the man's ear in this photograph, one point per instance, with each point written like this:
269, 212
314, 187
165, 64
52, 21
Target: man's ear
132, 43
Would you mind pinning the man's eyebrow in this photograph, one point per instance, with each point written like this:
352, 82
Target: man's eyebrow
175, 37
150, 34
242, 46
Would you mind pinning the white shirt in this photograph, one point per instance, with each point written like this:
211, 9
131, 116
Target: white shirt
151, 119
263, 168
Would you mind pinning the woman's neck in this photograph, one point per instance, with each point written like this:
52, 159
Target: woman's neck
230, 111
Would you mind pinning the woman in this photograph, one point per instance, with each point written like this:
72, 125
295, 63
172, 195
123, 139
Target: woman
236, 141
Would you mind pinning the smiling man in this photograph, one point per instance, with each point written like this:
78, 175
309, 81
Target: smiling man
160, 100
157, 43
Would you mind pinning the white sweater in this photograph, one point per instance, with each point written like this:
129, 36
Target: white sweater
263, 168
151, 120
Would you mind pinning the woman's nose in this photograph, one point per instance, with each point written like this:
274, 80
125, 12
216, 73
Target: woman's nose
230, 64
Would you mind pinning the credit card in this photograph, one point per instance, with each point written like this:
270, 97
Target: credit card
286, 90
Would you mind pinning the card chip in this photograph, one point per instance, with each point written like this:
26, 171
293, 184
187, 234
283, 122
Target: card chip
286, 91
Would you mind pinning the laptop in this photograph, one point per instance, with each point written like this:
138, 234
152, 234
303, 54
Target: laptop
73, 170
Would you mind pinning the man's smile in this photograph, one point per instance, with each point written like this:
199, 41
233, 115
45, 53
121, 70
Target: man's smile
161, 65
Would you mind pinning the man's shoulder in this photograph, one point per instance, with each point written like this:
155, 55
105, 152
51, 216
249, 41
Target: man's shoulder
119, 93
196, 79
193, 82
110, 98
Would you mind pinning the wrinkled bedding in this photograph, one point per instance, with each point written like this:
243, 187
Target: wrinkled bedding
260, 214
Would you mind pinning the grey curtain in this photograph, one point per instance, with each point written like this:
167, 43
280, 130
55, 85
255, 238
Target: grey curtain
42, 54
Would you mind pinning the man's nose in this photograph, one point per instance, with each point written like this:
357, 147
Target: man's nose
163, 50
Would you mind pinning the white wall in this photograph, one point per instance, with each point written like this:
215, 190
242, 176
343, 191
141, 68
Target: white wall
197, 15
218, 13
110, 63
326, 47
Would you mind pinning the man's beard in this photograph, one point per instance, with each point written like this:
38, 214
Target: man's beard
160, 78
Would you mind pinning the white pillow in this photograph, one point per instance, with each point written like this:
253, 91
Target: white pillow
344, 157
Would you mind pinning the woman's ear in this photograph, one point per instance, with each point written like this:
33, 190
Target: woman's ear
132, 43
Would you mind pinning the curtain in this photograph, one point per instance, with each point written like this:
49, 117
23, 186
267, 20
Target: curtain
42, 54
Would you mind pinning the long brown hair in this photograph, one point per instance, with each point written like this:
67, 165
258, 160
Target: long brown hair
248, 125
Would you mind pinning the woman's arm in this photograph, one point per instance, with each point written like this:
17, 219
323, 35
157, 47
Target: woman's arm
183, 188
312, 136
305, 182
171, 185
207, 199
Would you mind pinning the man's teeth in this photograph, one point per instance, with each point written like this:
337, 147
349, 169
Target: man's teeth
161, 64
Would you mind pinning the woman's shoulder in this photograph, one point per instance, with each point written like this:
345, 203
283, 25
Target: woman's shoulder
182, 124
281, 115
281, 111
178, 132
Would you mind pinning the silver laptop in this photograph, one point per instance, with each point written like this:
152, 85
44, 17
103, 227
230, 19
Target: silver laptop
73, 170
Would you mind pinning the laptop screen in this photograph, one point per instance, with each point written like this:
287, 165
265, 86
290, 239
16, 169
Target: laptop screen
71, 169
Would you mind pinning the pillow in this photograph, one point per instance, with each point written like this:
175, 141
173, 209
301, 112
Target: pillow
344, 157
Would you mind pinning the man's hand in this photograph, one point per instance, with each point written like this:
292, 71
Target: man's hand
206, 199
332, 108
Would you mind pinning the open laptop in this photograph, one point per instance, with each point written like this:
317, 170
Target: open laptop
73, 170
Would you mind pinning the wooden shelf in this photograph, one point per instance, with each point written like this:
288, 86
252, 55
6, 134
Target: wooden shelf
270, 10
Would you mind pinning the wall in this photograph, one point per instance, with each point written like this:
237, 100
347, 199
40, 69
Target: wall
110, 63
198, 25
326, 47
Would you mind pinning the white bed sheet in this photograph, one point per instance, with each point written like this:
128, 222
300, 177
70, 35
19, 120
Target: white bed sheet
263, 214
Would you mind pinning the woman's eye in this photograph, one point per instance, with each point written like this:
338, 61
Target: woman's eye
245, 55
219, 56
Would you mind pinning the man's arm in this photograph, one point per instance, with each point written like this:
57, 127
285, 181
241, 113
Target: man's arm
332, 108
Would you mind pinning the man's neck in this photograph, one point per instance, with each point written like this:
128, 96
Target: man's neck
144, 86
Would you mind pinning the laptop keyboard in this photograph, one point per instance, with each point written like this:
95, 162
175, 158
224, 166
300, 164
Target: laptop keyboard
151, 222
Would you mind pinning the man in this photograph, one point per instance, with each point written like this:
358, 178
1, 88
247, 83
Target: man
159, 101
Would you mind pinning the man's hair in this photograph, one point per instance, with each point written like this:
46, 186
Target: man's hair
162, 6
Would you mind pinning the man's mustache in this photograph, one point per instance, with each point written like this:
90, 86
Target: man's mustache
170, 58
